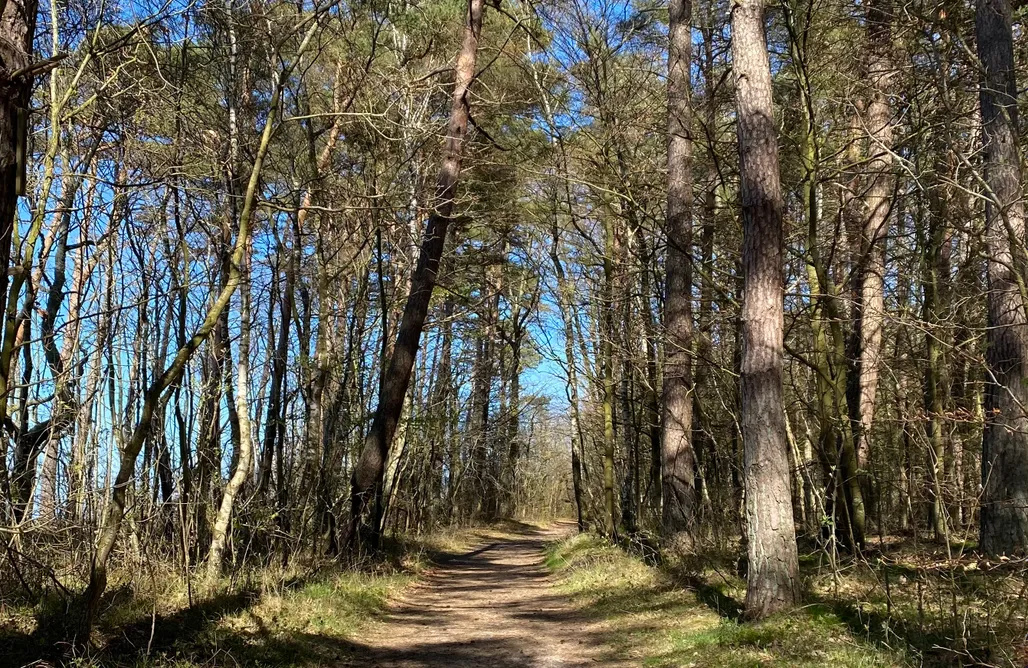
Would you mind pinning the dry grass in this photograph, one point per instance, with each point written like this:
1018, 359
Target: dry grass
303, 616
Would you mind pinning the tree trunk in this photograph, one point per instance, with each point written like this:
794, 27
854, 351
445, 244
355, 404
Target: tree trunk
1004, 520
244, 457
17, 30
773, 567
565, 301
869, 310
935, 259
606, 336
836, 448
172, 374
367, 474
678, 479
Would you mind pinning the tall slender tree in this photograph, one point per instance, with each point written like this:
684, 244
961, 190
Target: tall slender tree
1004, 521
366, 481
678, 459
773, 566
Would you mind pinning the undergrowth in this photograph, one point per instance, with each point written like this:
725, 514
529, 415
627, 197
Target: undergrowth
153, 617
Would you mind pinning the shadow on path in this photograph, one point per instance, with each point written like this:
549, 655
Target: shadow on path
493, 607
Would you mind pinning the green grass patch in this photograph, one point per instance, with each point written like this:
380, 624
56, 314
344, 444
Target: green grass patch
653, 618
295, 624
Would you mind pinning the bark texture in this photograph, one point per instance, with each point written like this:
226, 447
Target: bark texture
1004, 519
244, 460
368, 473
17, 28
773, 567
870, 306
678, 459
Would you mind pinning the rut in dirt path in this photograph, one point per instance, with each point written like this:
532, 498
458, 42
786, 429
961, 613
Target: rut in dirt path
494, 607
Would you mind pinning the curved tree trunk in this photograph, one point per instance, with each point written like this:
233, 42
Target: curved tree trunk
244, 459
172, 374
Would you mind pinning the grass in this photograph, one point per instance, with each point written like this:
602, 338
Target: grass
302, 617
153, 618
296, 622
654, 618
677, 614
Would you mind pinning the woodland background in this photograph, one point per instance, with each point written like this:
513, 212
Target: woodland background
237, 193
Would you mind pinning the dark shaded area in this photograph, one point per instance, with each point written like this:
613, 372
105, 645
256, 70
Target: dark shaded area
52, 642
946, 638
713, 597
190, 634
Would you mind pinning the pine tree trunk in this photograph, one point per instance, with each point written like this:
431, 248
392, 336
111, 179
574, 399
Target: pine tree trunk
773, 567
678, 459
869, 310
367, 476
937, 345
1004, 519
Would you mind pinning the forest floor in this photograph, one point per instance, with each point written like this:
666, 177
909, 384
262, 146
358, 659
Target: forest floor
662, 616
542, 596
903, 603
495, 607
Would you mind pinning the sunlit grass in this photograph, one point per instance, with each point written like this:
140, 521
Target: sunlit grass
652, 619
298, 617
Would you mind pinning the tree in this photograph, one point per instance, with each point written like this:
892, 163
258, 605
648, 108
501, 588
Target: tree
368, 474
772, 566
1004, 520
870, 275
678, 458
173, 372
17, 30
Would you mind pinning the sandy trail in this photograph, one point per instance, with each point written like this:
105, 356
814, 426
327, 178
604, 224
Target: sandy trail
494, 607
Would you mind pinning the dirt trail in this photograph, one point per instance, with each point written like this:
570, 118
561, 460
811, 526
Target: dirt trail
494, 607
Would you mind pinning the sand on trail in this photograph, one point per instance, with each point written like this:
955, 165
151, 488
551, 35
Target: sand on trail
494, 607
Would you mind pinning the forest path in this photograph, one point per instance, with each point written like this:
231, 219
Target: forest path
493, 607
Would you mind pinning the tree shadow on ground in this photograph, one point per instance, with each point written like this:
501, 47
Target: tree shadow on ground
714, 597
52, 641
201, 635
532, 628
934, 646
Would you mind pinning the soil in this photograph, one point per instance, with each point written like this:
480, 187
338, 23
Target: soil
494, 607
